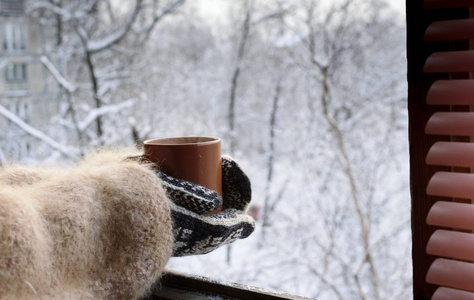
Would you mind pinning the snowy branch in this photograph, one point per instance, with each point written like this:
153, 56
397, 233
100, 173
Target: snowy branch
66, 150
38, 5
70, 88
94, 46
109, 109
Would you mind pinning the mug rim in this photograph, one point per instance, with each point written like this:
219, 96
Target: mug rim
183, 140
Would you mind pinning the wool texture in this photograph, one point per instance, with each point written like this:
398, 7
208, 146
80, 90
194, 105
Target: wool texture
196, 231
100, 229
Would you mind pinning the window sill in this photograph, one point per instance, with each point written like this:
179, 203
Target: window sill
175, 285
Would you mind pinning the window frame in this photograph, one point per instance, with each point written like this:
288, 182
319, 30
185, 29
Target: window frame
14, 37
16, 77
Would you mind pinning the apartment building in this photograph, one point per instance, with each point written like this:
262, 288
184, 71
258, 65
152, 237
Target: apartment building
26, 88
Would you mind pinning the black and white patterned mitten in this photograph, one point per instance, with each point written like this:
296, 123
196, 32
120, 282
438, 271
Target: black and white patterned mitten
195, 230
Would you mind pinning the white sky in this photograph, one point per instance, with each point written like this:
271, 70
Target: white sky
399, 5
214, 9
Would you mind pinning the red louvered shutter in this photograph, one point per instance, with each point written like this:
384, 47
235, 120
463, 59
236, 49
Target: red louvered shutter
440, 36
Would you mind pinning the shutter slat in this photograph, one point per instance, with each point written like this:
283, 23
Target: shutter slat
453, 154
444, 293
451, 273
451, 215
451, 123
453, 61
451, 92
450, 184
451, 30
431, 4
451, 244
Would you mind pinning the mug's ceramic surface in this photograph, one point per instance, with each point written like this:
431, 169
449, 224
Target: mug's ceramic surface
194, 159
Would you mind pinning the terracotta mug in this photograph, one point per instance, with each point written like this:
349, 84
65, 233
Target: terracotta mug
194, 159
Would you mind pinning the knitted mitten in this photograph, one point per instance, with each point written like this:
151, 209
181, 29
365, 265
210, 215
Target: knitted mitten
195, 230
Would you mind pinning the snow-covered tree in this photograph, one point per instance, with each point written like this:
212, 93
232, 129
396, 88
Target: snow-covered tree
331, 171
91, 49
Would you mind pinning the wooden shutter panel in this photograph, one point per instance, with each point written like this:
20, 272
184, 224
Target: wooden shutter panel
440, 39
451, 244
451, 92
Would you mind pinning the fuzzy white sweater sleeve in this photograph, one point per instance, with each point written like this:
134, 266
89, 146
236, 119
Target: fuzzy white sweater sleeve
100, 229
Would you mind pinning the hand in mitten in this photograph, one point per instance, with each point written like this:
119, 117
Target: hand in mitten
195, 230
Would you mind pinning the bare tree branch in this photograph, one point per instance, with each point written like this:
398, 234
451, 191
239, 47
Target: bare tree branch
166, 11
274, 15
271, 156
93, 77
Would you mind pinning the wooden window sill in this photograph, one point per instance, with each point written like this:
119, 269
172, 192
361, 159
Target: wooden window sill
176, 285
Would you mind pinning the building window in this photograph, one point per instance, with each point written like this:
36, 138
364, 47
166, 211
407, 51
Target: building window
16, 77
22, 109
11, 7
14, 37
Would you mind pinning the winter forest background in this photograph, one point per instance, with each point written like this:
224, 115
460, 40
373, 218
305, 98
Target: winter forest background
308, 96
